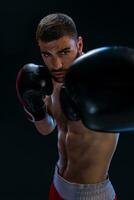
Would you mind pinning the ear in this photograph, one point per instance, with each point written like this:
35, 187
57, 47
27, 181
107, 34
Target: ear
80, 44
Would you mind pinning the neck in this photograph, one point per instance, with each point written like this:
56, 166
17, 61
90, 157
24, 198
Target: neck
56, 84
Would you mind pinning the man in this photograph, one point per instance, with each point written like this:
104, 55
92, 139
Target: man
84, 155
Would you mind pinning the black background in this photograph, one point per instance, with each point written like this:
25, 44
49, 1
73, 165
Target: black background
27, 159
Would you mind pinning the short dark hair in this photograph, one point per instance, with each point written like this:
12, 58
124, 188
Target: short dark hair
55, 26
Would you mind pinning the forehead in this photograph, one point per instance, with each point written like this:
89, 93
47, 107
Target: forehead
57, 45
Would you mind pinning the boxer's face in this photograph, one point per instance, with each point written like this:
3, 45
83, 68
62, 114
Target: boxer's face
59, 54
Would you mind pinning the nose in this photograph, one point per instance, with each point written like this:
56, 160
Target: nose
57, 63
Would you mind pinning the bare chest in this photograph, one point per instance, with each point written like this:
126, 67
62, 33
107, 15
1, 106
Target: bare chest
54, 107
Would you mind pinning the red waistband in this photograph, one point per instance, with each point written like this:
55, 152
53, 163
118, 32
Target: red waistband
53, 194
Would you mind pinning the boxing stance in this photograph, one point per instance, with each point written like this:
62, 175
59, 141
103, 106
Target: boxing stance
75, 95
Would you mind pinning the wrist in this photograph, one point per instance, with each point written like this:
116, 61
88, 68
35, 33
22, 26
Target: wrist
46, 125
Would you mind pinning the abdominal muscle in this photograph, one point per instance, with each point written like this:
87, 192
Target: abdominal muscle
84, 155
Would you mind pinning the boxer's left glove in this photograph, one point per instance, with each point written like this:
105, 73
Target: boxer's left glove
33, 83
98, 89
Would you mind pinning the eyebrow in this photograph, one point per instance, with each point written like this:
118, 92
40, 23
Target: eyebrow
65, 49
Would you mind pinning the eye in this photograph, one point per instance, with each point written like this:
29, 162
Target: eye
44, 54
64, 52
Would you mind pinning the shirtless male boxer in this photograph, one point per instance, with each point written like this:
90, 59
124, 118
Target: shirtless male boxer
85, 155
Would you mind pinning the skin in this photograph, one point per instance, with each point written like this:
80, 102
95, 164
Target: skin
84, 155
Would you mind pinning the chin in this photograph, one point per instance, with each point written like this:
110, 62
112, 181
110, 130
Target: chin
58, 80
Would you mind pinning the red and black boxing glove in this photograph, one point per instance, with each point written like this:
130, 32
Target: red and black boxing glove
33, 83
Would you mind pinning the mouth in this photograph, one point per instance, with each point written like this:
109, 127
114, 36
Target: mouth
58, 74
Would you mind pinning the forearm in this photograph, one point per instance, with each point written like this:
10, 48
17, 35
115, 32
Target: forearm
46, 125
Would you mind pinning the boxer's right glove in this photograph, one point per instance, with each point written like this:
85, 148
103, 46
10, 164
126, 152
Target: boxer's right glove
33, 83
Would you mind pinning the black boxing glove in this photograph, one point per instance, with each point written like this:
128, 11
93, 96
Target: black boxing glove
33, 83
100, 84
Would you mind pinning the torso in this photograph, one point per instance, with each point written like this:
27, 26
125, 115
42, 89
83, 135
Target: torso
84, 155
